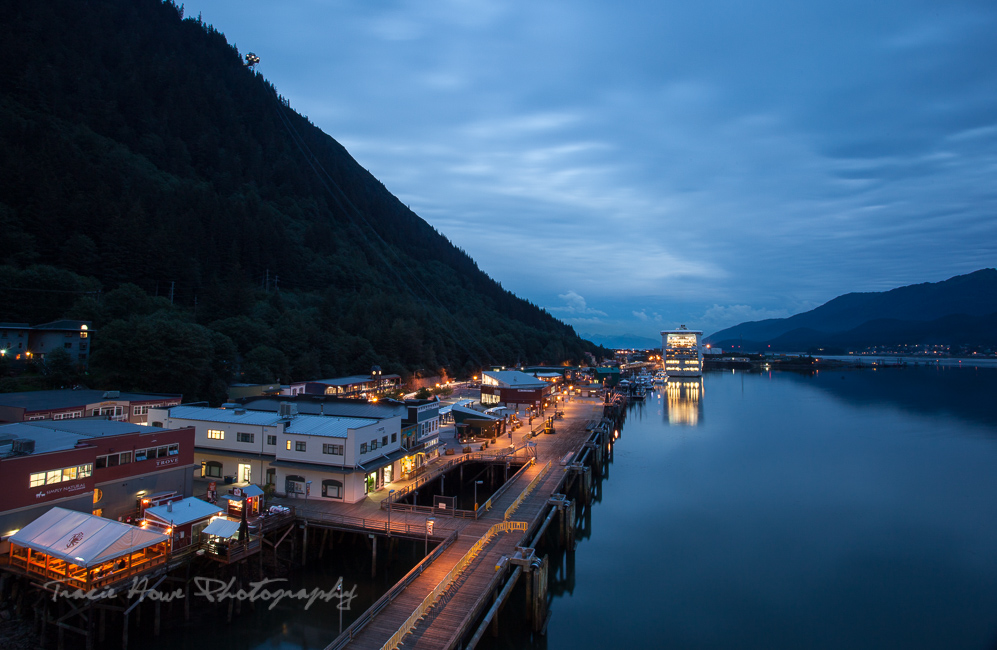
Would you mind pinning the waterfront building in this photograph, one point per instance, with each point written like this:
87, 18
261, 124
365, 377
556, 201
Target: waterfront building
420, 421
514, 389
308, 456
99, 467
683, 352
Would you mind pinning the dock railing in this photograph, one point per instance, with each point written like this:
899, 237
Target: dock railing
349, 633
458, 568
529, 488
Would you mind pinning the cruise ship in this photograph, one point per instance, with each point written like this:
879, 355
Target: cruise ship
683, 354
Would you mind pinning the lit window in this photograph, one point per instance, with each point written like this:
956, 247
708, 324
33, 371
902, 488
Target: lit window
84, 471
53, 476
69, 474
216, 434
289, 445
38, 479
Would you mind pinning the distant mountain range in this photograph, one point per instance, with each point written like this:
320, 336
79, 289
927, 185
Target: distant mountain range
961, 311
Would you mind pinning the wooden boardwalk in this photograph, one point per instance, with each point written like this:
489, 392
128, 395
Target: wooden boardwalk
449, 619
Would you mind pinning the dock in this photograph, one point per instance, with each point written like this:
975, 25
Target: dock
445, 602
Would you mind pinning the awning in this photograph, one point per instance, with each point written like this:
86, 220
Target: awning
222, 528
377, 463
83, 539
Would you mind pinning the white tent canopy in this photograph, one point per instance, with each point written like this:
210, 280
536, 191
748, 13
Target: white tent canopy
222, 528
82, 539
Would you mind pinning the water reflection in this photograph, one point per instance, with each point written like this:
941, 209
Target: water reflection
684, 400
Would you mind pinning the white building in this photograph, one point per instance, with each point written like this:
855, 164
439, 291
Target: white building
309, 456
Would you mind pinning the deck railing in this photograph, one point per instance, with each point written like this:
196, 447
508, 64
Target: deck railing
463, 563
349, 633
529, 488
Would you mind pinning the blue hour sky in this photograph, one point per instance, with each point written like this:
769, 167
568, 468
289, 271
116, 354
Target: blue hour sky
632, 166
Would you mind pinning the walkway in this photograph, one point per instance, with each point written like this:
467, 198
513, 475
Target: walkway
444, 624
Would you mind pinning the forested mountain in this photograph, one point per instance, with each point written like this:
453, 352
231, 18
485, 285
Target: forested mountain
153, 183
959, 311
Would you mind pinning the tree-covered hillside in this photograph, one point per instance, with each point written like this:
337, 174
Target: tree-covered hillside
153, 183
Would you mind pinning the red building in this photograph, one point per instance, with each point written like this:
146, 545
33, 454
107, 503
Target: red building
95, 466
71, 404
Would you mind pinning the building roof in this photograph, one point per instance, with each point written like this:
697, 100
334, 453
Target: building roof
184, 512
74, 325
58, 435
349, 381
44, 400
232, 416
222, 528
514, 378
315, 405
460, 414
326, 426
82, 539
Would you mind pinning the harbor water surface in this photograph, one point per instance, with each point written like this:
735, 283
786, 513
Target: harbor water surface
848, 509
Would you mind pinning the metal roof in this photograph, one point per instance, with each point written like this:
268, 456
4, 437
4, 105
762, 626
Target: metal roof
323, 425
349, 381
44, 400
514, 378
208, 414
184, 512
58, 435
354, 409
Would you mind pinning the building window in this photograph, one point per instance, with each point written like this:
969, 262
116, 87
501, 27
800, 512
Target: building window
394, 437
141, 454
84, 471
38, 479
53, 476
68, 346
244, 437
272, 440
373, 445
68, 416
216, 434
332, 489
299, 445
363, 448
69, 474
289, 445
335, 450
101, 462
141, 410
384, 441
211, 468
173, 450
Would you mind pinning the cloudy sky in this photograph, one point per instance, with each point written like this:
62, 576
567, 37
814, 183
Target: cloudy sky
635, 165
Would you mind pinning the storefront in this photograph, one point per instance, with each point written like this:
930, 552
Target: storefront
249, 497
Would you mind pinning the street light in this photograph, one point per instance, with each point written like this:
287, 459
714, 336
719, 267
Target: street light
339, 588
390, 492
476, 484
430, 522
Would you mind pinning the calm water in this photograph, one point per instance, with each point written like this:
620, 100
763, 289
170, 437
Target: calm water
850, 509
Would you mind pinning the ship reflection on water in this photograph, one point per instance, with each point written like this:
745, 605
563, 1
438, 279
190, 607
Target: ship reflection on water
683, 400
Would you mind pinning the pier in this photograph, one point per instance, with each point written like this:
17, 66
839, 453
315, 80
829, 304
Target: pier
456, 594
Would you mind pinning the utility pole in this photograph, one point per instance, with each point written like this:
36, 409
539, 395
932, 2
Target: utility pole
171, 291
